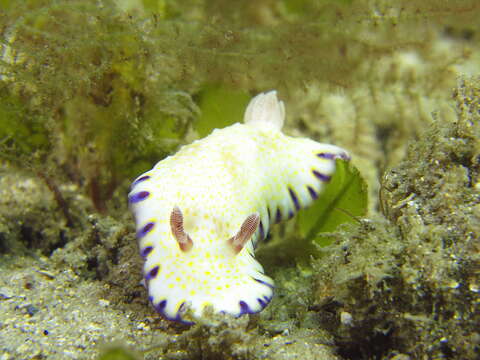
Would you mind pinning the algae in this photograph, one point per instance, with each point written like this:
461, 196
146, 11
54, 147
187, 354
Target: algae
220, 107
409, 283
93, 93
343, 200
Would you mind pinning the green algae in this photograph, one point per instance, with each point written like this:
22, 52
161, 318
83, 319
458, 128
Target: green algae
91, 90
118, 353
220, 107
344, 200
22, 133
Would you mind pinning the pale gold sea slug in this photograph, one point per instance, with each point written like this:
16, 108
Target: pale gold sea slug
201, 212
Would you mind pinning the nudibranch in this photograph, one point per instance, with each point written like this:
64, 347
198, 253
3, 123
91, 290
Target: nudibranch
201, 212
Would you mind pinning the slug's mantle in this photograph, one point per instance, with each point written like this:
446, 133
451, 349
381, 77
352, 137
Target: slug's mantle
201, 212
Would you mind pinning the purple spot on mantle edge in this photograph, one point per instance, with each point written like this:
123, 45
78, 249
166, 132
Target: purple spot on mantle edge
140, 179
182, 308
329, 156
145, 251
264, 283
278, 216
261, 231
312, 192
321, 176
152, 273
244, 308
263, 302
160, 308
294, 198
145, 230
137, 197
332, 156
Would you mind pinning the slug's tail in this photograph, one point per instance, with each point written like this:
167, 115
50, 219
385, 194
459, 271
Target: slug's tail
265, 110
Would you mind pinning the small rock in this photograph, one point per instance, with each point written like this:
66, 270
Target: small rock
346, 318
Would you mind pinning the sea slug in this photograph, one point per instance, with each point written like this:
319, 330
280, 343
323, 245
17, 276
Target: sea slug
201, 212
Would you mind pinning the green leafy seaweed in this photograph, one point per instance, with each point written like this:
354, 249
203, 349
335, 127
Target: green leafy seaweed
220, 107
344, 199
118, 353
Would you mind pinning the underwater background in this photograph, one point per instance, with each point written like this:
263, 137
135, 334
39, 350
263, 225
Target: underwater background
93, 93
